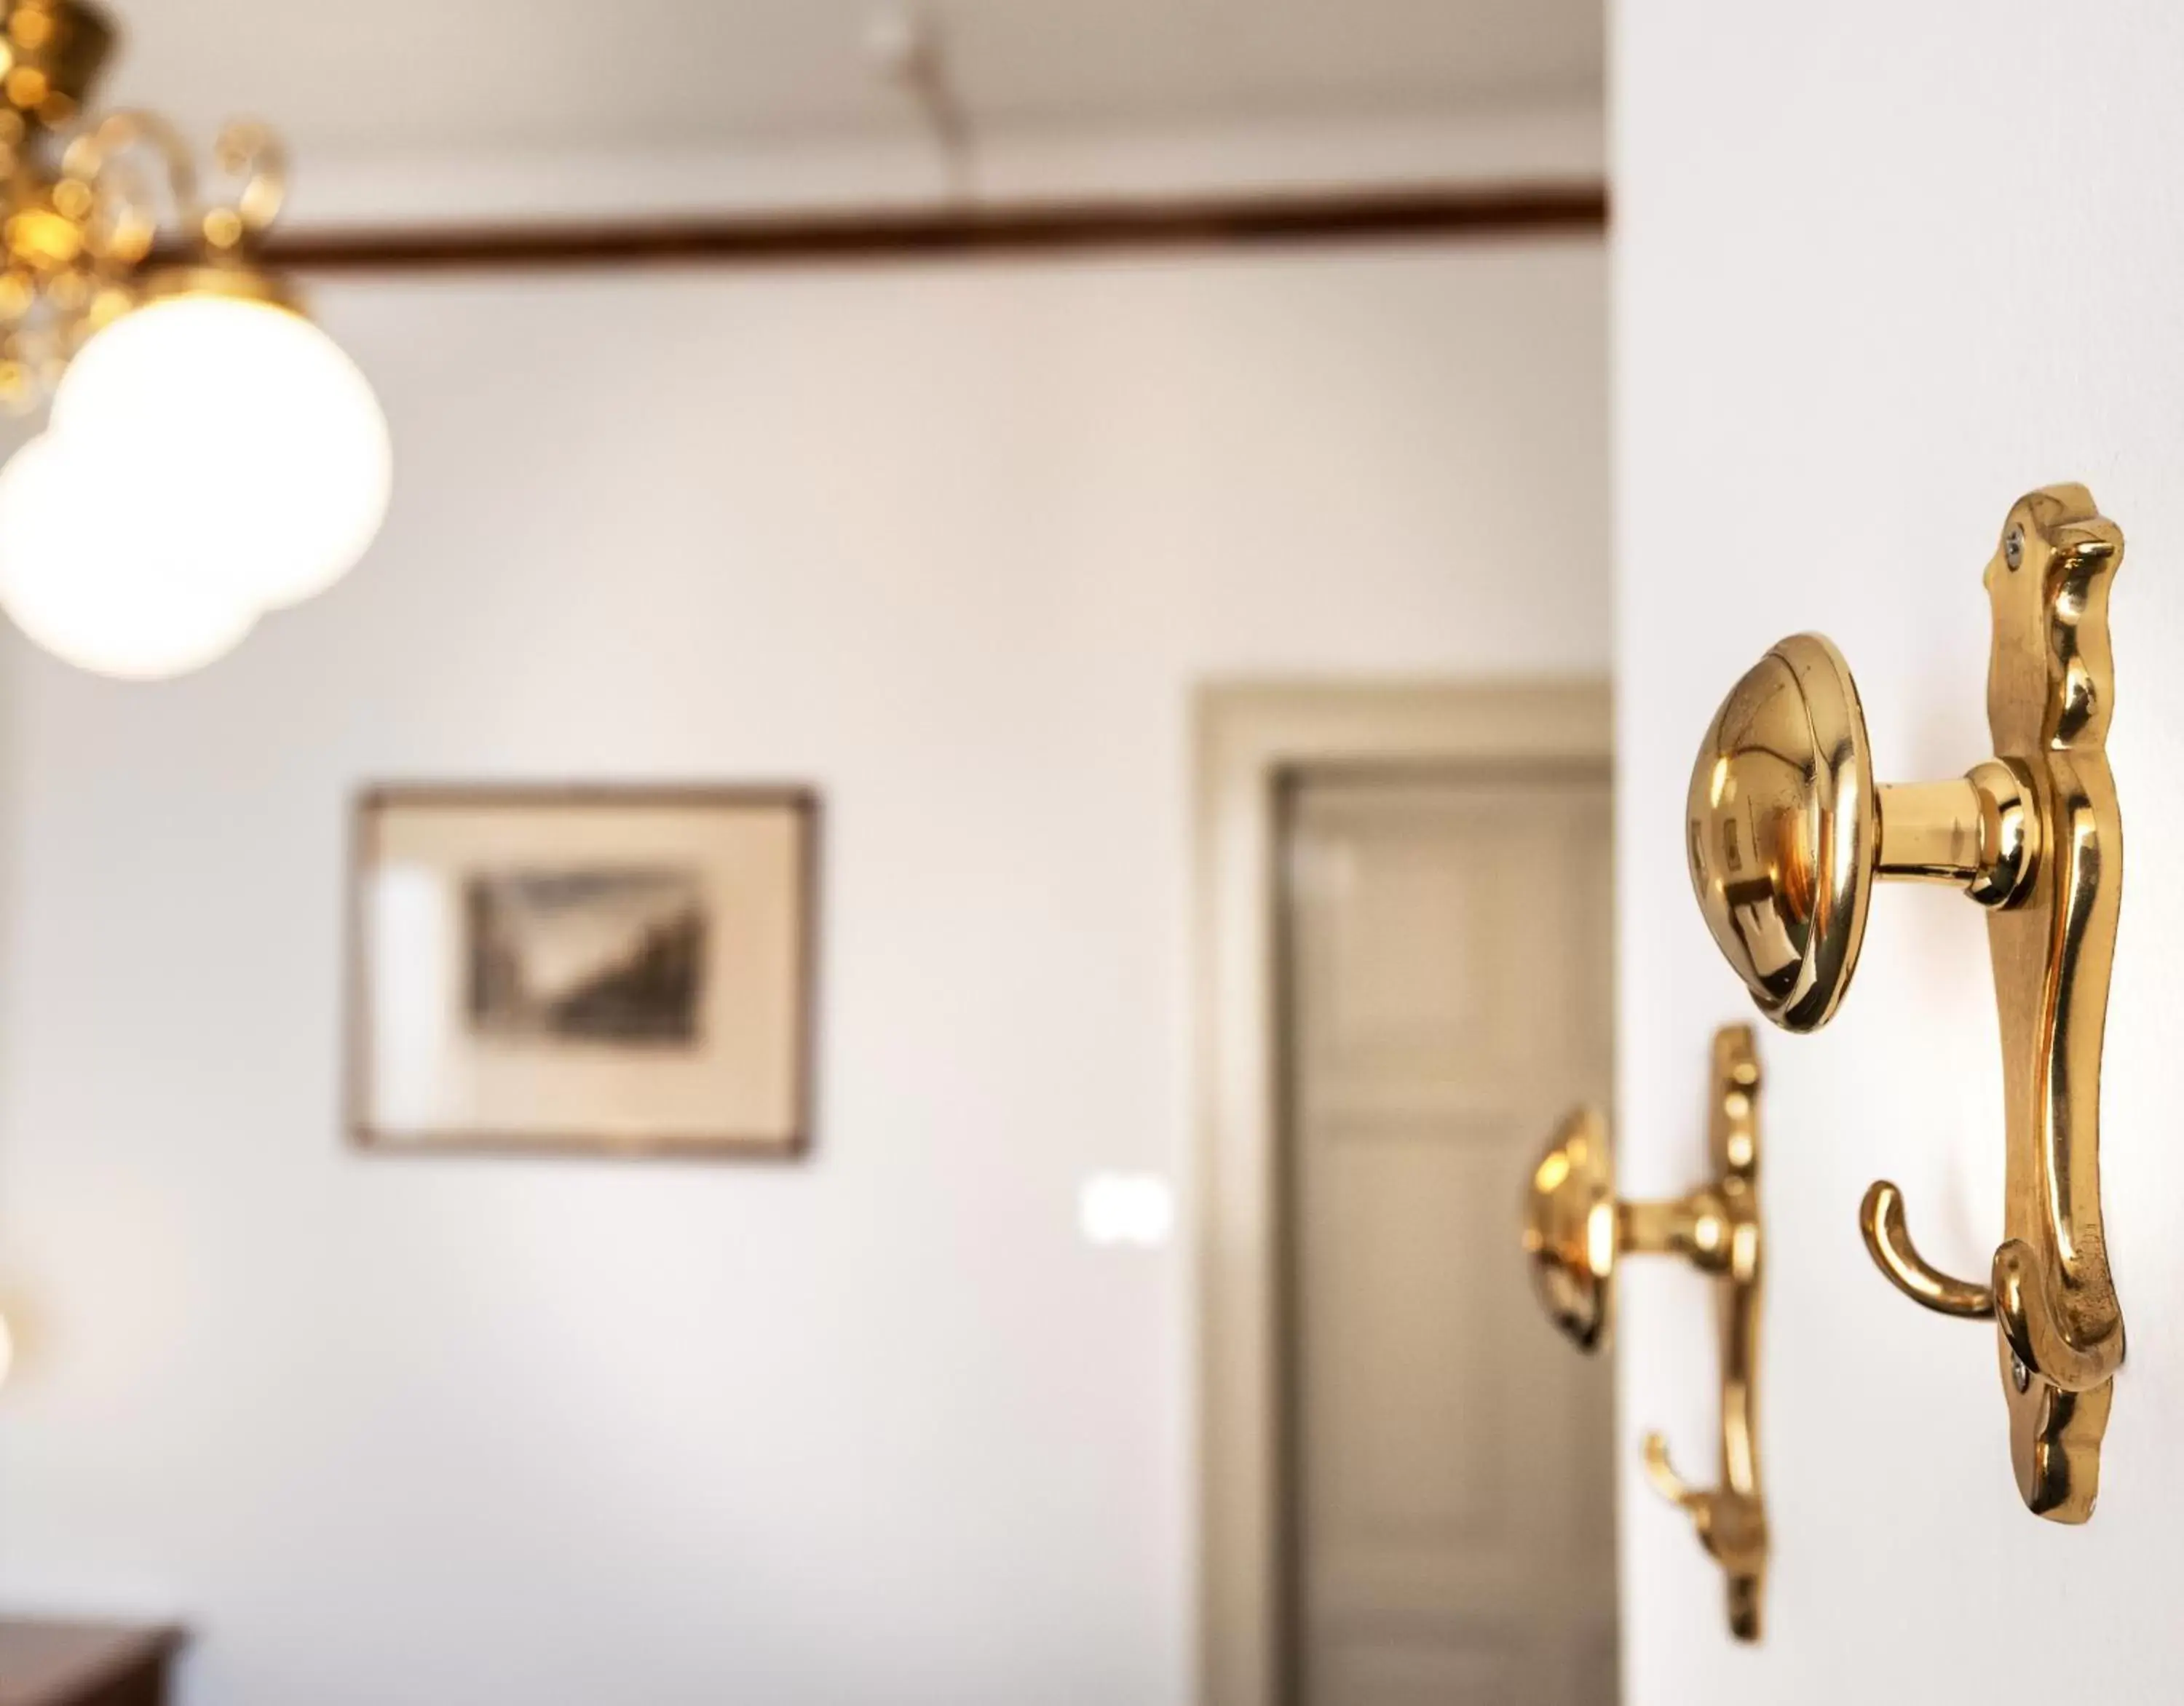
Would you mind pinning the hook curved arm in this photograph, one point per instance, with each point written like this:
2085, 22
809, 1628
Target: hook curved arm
1731, 1525
1662, 1474
1888, 1242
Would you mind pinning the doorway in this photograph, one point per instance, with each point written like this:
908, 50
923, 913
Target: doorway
1405, 916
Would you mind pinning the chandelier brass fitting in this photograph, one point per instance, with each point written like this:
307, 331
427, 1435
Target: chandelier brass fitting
88, 201
133, 301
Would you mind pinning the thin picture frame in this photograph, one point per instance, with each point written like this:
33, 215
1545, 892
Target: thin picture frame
371, 805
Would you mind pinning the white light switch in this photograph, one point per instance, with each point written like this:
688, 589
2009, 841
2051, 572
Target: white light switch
1135, 1210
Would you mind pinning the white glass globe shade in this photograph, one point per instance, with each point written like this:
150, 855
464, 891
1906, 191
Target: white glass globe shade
241, 417
102, 582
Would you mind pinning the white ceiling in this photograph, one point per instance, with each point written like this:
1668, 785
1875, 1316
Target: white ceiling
360, 76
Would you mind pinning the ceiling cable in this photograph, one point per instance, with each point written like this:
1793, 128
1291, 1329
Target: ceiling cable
910, 49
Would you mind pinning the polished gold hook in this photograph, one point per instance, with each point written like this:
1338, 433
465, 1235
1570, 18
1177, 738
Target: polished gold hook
1888, 1241
1662, 1474
1576, 1228
1731, 1525
1787, 832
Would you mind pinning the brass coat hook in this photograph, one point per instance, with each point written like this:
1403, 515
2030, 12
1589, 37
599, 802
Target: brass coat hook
1787, 833
1575, 1228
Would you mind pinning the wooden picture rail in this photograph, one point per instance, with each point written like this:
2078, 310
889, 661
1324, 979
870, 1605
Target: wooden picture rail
952, 232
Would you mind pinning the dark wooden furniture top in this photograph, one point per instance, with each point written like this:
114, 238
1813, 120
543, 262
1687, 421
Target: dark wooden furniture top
47, 1663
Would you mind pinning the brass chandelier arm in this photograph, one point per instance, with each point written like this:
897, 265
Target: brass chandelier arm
253, 152
101, 187
89, 156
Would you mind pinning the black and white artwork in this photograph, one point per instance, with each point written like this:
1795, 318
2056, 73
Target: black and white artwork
587, 954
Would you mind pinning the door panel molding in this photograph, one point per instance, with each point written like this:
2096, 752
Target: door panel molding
1249, 736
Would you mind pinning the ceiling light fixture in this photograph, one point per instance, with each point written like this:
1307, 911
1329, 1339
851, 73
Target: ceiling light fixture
210, 455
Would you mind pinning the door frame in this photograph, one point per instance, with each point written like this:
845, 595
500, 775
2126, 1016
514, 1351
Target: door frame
1252, 737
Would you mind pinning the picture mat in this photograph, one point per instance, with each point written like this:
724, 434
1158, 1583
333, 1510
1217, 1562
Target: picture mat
430, 1076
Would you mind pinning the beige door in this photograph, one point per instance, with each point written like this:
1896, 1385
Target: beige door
1449, 1480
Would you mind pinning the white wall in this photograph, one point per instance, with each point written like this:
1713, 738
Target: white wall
952, 543
1277, 153
1880, 269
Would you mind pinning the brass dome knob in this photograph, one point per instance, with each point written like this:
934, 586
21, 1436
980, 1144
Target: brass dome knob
1570, 1232
1783, 831
1787, 830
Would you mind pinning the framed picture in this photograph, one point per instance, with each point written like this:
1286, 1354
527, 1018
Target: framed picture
618, 970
